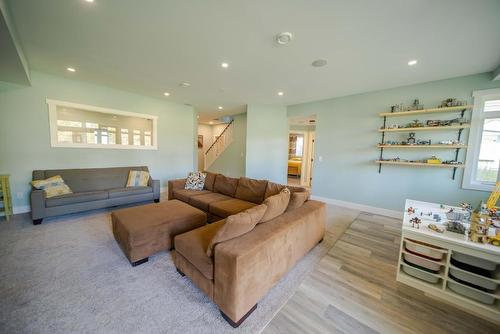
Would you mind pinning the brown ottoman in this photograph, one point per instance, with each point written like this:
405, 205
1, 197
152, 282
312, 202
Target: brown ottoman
144, 230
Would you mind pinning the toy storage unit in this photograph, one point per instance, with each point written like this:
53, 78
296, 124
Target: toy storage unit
449, 267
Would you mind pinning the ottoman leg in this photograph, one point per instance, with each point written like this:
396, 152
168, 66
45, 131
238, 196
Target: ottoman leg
157, 200
180, 272
136, 263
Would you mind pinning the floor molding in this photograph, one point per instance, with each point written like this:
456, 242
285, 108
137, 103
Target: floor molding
361, 207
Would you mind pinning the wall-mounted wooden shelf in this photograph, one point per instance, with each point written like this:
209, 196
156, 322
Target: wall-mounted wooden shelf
423, 146
418, 164
425, 111
427, 128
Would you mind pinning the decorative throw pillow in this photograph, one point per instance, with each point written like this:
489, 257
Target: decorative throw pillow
297, 199
237, 225
195, 181
53, 186
276, 205
137, 178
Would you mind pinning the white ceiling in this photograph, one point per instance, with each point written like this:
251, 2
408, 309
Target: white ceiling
149, 47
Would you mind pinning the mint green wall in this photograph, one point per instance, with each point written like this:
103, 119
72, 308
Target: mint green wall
232, 161
25, 142
267, 143
346, 136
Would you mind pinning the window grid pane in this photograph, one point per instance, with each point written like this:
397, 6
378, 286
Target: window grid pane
489, 153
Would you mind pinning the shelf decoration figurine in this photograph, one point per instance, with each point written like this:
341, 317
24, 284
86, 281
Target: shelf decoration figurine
479, 227
415, 221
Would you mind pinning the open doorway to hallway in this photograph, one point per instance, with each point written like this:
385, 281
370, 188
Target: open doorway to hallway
301, 142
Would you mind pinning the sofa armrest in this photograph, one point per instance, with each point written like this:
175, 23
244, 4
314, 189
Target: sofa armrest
245, 268
37, 199
175, 184
155, 184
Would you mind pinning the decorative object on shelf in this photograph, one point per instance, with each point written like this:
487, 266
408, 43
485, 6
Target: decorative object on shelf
458, 123
479, 227
452, 102
5, 197
494, 196
411, 210
455, 227
415, 221
433, 227
411, 139
433, 160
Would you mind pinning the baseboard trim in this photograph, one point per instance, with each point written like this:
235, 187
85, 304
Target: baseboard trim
361, 207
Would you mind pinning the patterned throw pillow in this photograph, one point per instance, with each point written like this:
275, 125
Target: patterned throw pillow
137, 178
195, 181
53, 186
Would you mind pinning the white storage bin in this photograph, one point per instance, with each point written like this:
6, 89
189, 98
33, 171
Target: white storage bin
421, 262
420, 274
474, 279
430, 251
471, 293
474, 261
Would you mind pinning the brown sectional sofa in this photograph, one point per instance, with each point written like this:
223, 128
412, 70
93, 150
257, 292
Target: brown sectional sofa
243, 269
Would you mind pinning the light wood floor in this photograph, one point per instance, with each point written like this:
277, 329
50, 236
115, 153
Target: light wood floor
354, 290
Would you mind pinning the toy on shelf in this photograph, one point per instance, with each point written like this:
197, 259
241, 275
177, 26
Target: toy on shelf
452, 102
415, 221
433, 160
434, 228
455, 226
411, 210
479, 227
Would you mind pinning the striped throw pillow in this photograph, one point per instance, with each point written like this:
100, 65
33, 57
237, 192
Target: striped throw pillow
53, 186
137, 178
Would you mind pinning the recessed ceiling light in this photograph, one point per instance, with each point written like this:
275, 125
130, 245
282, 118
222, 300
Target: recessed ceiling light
198, 116
284, 38
71, 69
166, 94
224, 65
319, 63
220, 107
185, 84
89, 0
281, 93
412, 62
210, 122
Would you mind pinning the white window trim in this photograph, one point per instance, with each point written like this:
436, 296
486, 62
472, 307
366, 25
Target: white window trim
53, 104
475, 134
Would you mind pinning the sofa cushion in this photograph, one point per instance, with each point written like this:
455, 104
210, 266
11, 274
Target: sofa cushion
273, 189
53, 186
225, 185
137, 178
130, 191
185, 194
237, 225
229, 207
73, 198
297, 199
193, 245
209, 181
195, 181
251, 190
202, 202
276, 205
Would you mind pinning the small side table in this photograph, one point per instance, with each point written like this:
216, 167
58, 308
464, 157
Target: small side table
5, 197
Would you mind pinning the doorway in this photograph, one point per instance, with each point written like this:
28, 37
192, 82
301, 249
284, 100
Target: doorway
301, 142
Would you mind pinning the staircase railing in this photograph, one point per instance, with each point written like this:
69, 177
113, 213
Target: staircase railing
219, 145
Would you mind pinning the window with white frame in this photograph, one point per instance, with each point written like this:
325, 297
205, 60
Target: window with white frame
76, 125
483, 155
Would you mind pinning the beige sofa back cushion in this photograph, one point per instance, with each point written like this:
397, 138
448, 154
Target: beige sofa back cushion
209, 181
237, 225
251, 190
225, 185
297, 199
276, 205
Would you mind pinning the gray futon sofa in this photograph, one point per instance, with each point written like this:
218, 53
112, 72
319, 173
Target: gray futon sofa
93, 188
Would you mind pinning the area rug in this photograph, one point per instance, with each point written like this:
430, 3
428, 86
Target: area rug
68, 275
